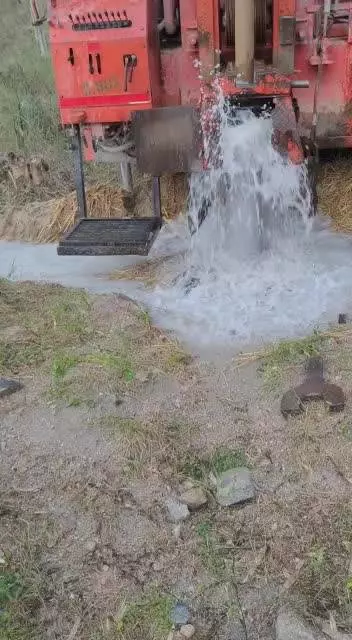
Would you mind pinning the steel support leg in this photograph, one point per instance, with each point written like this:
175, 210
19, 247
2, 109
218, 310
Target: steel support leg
79, 172
126, 176
156, 197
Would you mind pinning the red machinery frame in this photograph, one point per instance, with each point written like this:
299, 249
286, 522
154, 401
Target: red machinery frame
113, 67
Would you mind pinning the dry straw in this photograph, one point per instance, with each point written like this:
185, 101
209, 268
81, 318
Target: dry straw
335, 193
46, 222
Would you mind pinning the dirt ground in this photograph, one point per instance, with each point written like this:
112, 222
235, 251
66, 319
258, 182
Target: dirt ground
113, 418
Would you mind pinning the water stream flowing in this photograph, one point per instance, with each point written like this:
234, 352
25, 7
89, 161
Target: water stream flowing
257, 269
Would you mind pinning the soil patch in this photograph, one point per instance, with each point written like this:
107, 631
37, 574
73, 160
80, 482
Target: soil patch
114, 418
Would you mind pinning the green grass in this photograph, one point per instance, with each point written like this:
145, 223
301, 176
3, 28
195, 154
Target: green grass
119, 365
286, 353
75, 376
20, 596
62, 364
222, 459
57, 328
146, 619
11, 588
51, 318
28, 112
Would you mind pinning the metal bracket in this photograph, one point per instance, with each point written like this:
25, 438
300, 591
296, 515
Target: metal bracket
314, 387
287, 29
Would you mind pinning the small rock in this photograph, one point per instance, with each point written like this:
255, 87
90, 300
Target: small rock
7, 387
334, 397
106, 568
2, 558
180, 614
290, 626
194, 498
157, 566
187, 630
291, 404
234, 487
177, 511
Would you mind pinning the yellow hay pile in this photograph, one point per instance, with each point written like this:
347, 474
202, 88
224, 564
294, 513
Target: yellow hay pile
46, 222
103, 202
174, 195
335, 192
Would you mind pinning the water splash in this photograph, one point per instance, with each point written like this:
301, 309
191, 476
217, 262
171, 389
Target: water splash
254, 196
259, 267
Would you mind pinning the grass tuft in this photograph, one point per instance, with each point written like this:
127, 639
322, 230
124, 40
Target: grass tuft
288, 352
147, 619
222, 459
50, 318
145, 443
22, 584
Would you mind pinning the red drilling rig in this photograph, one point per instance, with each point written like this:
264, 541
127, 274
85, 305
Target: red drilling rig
129, 87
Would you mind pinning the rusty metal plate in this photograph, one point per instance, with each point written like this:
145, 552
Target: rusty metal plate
314, 387
167, 139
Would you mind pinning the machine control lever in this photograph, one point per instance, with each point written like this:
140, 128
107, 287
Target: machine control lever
129, 62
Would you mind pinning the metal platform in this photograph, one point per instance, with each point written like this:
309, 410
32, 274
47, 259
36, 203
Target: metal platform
110, 236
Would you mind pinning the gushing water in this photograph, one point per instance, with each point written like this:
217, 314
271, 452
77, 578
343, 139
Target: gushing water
258, 267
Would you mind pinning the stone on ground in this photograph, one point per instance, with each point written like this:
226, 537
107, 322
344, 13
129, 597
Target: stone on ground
177, 511
234, 487
194, 498
180, 614
7, 387
187, 631
291, 404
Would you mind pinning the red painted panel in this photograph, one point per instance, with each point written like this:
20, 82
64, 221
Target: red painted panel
89, 63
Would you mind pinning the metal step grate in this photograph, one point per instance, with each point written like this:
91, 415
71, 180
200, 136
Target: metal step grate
110, 236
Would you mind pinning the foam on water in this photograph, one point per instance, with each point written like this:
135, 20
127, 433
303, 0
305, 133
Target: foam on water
261, 268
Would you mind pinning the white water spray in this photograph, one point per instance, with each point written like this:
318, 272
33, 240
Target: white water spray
258, 268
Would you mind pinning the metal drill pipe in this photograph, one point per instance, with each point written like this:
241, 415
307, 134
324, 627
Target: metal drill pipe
244, 38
